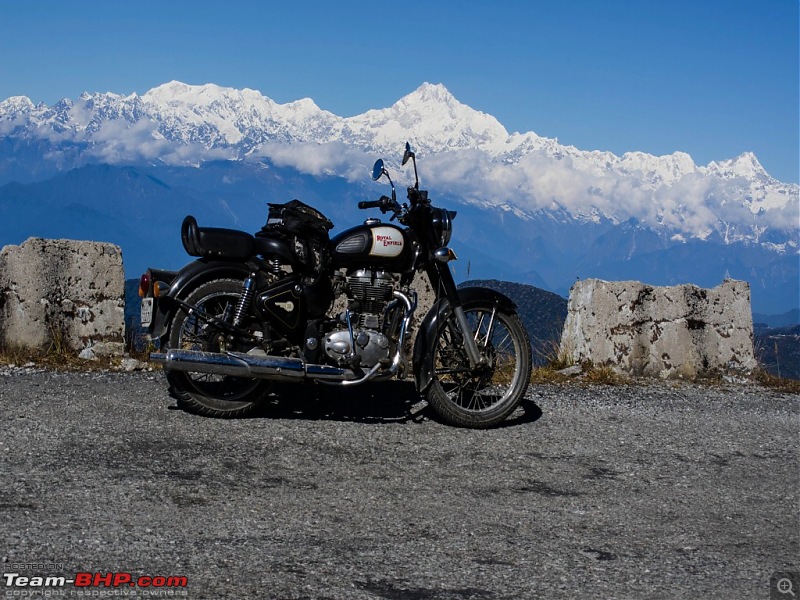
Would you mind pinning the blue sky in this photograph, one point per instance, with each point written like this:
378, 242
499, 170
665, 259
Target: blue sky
713, 78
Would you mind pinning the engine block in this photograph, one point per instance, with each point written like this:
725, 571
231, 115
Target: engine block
368, 293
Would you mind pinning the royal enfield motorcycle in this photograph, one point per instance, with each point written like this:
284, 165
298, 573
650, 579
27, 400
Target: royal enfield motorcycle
257, 309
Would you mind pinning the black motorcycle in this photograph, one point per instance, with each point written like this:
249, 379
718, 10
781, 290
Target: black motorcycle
256, 309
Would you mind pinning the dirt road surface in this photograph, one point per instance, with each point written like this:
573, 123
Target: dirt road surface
640, 491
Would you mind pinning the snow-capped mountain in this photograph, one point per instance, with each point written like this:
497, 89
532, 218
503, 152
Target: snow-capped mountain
533, 187
475, 156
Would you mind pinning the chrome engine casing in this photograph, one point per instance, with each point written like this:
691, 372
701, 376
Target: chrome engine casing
371, 347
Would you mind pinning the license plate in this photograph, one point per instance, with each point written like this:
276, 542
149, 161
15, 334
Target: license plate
147, 312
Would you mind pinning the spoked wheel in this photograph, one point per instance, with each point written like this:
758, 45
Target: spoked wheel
483, 396
211, 395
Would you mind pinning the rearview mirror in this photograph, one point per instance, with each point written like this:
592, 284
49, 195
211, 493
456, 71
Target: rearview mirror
378, 170
409, 153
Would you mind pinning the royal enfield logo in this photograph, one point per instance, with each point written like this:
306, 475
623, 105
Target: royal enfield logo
386, 241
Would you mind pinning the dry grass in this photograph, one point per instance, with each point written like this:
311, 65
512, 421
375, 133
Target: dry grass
780, 384
58, 356
604, 376
555, 357
548, 374
53, 356
558, 358
608, 376
54, 360
553, 373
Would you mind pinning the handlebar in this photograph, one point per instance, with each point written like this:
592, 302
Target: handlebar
384, 203
370, 204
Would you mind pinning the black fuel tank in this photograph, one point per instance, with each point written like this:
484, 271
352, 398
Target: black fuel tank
373, 244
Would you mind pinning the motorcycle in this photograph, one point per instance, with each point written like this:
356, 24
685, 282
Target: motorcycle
257, 309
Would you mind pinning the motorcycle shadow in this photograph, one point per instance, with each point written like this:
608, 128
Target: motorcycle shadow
376, 402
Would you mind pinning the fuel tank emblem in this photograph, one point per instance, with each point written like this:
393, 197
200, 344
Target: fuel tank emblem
386, 241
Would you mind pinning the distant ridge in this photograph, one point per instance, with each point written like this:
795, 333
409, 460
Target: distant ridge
786, 319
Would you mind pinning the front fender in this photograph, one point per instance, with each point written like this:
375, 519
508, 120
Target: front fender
188, 278
469, 297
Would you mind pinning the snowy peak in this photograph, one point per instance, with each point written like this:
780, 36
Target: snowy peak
16, 104
745, 165
170, 91
177, 94
431, 94
433, 120
242, 121
211, 97
227, 118
657, 170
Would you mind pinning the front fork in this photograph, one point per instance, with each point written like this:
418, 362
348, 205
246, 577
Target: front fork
441, 276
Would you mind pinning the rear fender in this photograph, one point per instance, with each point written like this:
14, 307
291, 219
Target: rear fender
439, 313
186, 280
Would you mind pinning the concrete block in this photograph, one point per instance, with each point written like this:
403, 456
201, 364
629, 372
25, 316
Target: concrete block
679, 331
65, 292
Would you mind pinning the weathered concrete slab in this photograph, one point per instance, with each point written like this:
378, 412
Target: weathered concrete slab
669, 332
66, 292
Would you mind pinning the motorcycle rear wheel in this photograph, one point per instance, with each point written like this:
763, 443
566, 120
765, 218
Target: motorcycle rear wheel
219, 396
483, 397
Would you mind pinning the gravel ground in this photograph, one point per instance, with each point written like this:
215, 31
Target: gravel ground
646, 491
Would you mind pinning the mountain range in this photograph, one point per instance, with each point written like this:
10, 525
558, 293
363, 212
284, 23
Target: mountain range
126, 169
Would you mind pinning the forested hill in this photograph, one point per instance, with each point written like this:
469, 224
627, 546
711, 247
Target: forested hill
542, 312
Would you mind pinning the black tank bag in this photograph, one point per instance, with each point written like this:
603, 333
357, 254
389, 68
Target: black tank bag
305, 228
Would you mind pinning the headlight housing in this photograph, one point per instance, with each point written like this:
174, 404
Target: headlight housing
443, 225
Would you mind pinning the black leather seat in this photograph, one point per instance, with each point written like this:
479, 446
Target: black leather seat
215, 242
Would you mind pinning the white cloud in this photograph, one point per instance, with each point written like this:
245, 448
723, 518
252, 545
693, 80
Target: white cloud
120, 141
694, 203
334, 158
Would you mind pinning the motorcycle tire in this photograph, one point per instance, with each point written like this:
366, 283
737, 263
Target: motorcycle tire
219, 396
483, 397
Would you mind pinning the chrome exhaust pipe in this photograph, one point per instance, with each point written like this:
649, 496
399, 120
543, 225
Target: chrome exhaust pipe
205, 362
256, 366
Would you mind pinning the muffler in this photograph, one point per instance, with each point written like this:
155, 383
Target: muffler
257, 366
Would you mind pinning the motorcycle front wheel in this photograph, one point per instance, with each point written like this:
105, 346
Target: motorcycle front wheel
220, 396
484, 396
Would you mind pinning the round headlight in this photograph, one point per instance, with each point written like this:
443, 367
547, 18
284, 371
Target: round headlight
443, 225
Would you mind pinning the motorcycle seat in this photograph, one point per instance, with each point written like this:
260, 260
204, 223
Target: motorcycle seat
275, 246
214, 241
